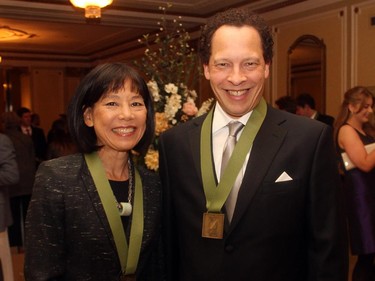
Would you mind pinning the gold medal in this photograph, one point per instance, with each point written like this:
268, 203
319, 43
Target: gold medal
213, 225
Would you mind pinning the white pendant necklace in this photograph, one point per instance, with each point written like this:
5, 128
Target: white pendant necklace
125, 208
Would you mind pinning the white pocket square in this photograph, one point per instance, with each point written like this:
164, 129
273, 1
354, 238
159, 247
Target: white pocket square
283, 177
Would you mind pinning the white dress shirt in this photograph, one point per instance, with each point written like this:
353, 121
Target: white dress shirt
220, 133
26, 130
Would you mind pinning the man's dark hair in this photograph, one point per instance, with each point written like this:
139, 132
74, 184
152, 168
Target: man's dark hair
304, 99
236, 17
22, 110
287, 103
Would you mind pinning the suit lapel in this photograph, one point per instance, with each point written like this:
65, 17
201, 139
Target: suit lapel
266, 145
194, 135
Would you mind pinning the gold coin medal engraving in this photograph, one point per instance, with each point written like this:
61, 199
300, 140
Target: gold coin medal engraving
213, 225
125, 208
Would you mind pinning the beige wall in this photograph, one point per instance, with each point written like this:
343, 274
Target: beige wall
47, 87
326, 26
363, 45
350, 43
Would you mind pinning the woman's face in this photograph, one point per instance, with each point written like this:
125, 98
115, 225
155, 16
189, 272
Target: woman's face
118, 118
362, 115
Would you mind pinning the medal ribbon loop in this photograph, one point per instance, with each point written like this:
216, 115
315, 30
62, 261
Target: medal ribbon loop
217, 194
128, 255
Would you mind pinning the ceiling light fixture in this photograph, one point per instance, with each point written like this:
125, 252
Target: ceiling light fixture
92, 7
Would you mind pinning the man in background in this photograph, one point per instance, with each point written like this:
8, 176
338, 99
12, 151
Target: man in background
20, 193
37, 134
306, 107
287, 103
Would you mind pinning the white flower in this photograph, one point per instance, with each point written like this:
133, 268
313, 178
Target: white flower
193, 94
172, 106
154, 90
171, 88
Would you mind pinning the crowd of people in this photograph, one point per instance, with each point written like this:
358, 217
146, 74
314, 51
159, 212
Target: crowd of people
245, 192
29, 147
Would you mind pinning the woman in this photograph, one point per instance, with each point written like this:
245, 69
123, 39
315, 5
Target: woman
86, 208
355, 112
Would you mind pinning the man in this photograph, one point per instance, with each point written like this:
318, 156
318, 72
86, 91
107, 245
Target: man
9, 175
37, 134
287, 103
20, 193
285, 224
306, 107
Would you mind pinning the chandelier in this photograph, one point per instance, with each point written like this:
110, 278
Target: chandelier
92, 7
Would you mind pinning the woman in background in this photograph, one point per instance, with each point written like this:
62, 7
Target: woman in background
359, 182
94, 215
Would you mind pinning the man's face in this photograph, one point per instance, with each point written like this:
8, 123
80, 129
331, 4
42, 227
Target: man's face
236, 69
303, 110
26, 119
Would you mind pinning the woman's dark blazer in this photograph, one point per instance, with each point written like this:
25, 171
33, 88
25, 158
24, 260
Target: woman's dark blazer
68, 236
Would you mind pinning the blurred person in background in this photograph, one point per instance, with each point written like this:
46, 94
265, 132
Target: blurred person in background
35, 120
35, 133
369, 127
19, 193
59, 141
359, 182
9, 175
287, 103
306, 107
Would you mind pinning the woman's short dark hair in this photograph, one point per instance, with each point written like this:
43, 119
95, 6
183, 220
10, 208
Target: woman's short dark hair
104, 78
236, 17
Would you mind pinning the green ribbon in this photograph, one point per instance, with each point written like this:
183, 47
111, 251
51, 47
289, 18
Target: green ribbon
216, 195
128, 255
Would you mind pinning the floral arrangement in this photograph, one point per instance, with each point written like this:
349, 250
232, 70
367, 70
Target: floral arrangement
173, 69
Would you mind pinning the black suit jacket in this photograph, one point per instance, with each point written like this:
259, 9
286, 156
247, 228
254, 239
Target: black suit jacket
280, 231
68, 236
40, 143
327, 119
